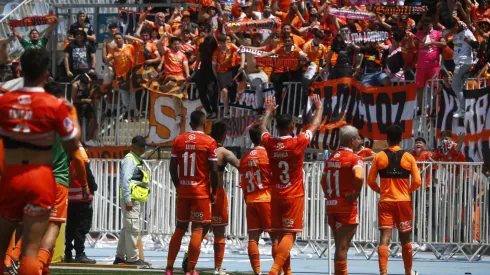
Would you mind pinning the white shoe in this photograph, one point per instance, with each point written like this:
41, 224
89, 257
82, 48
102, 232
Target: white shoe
415, 273
220, 271
91, 143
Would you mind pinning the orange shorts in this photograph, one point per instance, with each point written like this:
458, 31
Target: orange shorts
60, 207
337, 220
219, 210
397, 214
27, 191
193, 210
259, 216
287, 214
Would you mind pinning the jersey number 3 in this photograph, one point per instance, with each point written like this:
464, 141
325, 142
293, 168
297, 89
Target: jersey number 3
250, 177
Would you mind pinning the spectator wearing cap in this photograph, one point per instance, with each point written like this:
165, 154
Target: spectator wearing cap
83, 23
464, 43
80, 56
134, 191
429, 43
35, 40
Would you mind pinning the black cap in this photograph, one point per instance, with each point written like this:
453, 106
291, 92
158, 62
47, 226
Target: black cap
139, 141
421, 139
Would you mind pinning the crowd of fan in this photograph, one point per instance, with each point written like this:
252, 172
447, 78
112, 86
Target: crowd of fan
450, 39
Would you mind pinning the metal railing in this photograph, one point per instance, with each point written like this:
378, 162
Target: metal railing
451, 207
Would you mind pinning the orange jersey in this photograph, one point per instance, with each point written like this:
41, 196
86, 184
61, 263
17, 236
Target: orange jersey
2, 157
32, 116
161, 30
194, 150
174, 63
294, 52
394, 189
315, 53
424, 156
224, 60
339, 173
365, 152
123, 59
255, 175
139, 49
452, 155
286, 156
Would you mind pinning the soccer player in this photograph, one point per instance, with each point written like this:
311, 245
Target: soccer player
394, 167
286, 155
219, 210
255, 183
342, 182
30, 119
193, 168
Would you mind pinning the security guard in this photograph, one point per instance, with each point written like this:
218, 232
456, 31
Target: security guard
134, 191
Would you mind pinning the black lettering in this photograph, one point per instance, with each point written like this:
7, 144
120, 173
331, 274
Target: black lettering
399, 98
334, 139
327, 101
325, 140
314, 140
383, 99
368, 100
342, 97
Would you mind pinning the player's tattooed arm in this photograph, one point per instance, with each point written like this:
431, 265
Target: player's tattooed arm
232, 159
213, 172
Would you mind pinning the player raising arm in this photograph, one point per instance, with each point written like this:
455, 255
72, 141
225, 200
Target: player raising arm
394, 167
192, 165
342, 181
286, 155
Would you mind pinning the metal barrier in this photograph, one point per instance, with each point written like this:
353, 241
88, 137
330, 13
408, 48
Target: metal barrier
453, 209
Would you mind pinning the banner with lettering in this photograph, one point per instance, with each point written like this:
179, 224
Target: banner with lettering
400, 10
268, 24
363, 37
476, 123
170, 117
238, 125
31, 21
369, 109
347, 13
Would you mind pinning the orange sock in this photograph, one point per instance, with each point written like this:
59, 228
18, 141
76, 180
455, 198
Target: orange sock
383, 254
174, 247
29, 266
407, 257
219, 251
15, 253
285, 245
254, 255
194, 248
43, 258
9, 251
340, 267
286, 268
